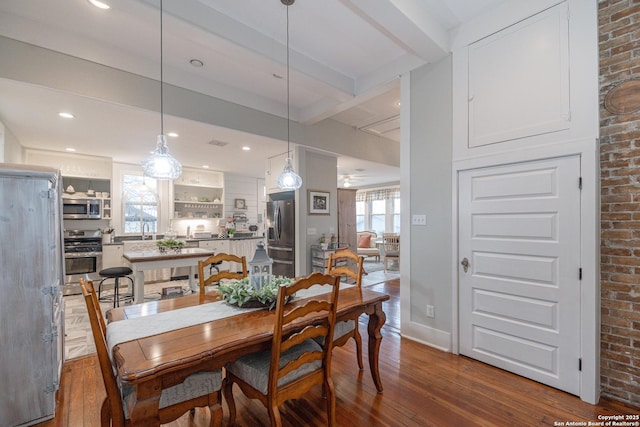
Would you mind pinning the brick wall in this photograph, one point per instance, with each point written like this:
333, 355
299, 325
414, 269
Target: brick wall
619, 28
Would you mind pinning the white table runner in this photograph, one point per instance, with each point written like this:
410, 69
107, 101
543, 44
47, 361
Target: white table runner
146, 326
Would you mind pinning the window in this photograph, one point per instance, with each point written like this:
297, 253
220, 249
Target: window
360, 216
378, 216
378, 210
139, 204
396, 216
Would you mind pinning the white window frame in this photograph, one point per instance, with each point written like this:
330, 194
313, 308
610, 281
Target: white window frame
388, 220
163, 193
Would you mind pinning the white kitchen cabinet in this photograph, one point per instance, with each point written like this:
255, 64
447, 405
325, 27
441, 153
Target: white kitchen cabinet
201, 178
112, 256
239, 247
244, 247
106, 209
71, 165
217, 246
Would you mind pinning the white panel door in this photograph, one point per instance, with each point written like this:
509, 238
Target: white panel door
519, 303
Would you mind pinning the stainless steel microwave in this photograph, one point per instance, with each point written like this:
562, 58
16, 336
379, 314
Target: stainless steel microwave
81, 209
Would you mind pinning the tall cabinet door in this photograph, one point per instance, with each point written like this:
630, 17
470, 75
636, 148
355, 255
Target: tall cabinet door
30, 288
347, 217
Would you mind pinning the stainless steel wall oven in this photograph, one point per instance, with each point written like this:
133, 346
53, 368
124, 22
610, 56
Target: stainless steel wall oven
82, 255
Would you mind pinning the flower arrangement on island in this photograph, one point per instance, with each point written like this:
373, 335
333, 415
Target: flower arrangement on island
243, 294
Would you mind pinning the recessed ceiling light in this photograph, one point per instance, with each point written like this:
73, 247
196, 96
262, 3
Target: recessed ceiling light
205, 166
66, 115
99, 4
245, 148
70, 149
397, 103
196, 63
172, 134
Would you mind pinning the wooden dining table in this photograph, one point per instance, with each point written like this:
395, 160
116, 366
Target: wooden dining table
159, 361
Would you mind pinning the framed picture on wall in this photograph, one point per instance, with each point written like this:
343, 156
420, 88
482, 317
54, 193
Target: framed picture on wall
240, 204
318, 202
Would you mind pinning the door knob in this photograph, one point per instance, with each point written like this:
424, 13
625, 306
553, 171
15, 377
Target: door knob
465, 264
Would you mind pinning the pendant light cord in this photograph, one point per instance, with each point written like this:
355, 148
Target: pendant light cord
161, 78
288, 120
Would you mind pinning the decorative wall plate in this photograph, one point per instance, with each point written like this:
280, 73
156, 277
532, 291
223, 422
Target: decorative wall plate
624, 98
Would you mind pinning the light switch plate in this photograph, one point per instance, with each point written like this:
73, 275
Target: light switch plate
418, 219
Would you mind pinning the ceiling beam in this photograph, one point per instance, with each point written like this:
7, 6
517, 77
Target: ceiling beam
408, 23
35, 65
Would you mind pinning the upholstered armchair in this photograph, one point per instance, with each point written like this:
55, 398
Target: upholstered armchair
367, 245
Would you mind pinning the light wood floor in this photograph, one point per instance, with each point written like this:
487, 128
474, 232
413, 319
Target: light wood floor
422, 387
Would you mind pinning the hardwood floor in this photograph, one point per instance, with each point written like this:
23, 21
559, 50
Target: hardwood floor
422, 387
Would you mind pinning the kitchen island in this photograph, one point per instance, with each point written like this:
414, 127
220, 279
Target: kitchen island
139, 261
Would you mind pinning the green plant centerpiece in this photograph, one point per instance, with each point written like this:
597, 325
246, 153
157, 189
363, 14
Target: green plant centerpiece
165, 244
243, 294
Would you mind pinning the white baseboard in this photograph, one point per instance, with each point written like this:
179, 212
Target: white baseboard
427, 335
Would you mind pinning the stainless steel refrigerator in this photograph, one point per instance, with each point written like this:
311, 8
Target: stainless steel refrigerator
281, 233
31, 308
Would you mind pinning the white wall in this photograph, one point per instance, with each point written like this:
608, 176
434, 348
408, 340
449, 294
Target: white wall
426, 278
318, 172
243, 187
10, 149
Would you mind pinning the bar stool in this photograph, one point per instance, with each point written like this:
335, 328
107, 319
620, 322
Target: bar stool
116, 273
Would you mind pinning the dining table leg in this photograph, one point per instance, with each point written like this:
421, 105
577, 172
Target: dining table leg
145, 410
376, 321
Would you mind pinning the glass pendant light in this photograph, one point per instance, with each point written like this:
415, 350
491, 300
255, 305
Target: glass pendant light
288, 179
160, 164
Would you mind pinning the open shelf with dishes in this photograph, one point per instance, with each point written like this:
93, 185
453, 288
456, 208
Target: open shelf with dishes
192, 201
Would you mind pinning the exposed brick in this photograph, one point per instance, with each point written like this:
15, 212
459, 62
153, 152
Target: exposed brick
620, 358
617, 304
616, 216
616, 251
615, 321
616, 16
617, 234
624, 207
613, 182
631, 261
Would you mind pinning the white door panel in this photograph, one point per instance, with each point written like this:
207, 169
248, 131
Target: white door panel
519, 299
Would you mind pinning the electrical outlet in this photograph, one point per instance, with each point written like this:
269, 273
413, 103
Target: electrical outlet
418, 219
431, 311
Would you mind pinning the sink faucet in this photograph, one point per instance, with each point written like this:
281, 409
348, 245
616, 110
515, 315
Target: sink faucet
145, 226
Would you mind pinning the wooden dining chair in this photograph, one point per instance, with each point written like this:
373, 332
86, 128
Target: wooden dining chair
215, 260
296, 362
345, 263
391, 247
197, 390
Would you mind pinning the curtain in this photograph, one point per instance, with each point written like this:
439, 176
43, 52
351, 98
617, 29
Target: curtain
379, 194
